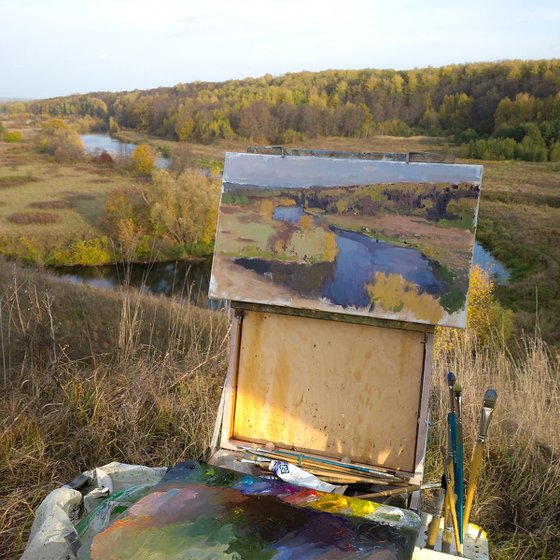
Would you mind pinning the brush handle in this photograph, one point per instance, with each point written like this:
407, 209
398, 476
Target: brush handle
473, 480
459, 483
451, 501
433, 528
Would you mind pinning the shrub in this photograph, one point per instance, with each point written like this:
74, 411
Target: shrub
13, 136
184, 208
126, 217
555, 152
87, 252
26, 218
51, 204
492, 149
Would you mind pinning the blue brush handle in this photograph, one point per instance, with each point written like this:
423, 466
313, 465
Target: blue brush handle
457, 451
459, 483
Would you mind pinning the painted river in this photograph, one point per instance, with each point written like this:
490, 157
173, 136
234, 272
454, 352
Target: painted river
359, 257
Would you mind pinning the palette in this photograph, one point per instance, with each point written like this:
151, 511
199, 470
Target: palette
203, 512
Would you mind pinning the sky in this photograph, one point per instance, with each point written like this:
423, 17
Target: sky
59, 47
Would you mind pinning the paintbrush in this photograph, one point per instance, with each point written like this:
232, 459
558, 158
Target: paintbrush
433, 528
297, 458
459, 473
488, 404
450, 495
452, 434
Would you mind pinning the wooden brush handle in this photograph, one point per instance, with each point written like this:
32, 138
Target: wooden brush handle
473, 480
433, 528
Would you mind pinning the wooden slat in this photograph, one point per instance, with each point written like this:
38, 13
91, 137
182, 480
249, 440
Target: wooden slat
339, 317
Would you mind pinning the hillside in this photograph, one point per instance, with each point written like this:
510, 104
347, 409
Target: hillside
468, 101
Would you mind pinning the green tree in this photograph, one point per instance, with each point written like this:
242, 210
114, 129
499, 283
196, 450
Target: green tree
532, 147
555, 152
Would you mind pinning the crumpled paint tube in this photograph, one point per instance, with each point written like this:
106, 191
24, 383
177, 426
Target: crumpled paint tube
294, 475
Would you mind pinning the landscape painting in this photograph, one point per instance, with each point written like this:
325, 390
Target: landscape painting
384, 239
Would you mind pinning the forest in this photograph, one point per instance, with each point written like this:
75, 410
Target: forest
501, 110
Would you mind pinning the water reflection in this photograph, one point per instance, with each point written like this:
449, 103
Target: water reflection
184, 280
105, 143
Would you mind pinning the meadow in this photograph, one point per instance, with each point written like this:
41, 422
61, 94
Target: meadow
48, 208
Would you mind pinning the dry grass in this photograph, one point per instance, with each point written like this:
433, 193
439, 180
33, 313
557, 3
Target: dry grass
77, 192
25, 218
149, 397
57, 204
519, 491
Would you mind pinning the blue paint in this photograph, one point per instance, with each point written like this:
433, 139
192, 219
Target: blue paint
359, 258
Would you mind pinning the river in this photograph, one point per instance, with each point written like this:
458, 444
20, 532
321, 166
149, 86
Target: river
357, 256
105, 143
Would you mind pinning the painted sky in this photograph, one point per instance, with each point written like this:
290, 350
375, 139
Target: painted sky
302, 171
58, 47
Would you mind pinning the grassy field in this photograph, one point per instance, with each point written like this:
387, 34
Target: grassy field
45, 206
519, 222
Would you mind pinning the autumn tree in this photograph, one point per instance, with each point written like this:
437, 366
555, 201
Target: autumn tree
59, 139
126, 217
143, 159
184, 207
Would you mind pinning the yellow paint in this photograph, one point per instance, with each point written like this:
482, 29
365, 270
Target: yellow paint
393, 293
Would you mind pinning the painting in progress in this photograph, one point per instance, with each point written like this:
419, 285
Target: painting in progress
199, 511
384, 239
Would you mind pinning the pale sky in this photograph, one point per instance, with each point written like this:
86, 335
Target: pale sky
59, 47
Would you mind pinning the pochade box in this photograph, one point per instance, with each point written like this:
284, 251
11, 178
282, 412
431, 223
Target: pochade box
338, 268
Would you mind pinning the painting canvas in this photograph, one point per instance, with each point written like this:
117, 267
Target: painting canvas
383, 239
203, 512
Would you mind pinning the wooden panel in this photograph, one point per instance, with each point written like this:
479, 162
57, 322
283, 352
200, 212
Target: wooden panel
343, 390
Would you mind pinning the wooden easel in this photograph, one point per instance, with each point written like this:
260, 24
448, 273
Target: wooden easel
344, 387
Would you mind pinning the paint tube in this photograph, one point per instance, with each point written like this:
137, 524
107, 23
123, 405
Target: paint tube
294, 475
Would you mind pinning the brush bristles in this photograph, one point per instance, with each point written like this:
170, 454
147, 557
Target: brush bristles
490, 398
451, 378
457, 389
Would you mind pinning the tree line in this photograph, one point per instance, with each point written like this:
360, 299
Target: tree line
472, 102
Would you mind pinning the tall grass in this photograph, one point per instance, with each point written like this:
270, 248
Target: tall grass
149, 397
518, 497
88, 377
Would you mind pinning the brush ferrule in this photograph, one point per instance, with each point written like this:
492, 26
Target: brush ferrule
485, 422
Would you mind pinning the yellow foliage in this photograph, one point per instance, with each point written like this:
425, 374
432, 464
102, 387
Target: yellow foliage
486, 318
393, 293
341, 206
143, 159
266, 208
331, 248
306, 223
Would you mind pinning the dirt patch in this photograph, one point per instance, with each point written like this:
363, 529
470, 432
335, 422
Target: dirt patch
73, 196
